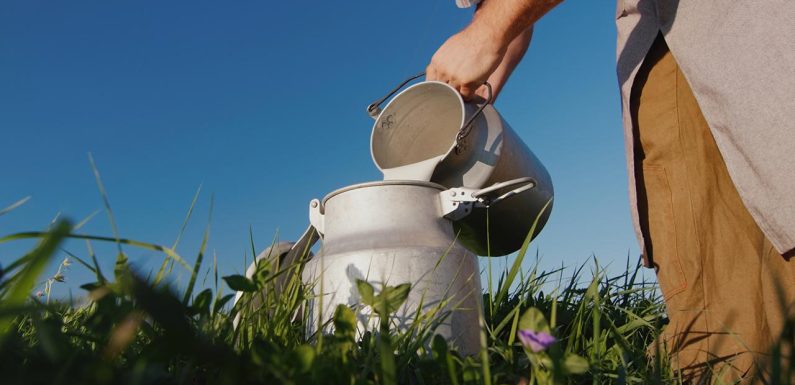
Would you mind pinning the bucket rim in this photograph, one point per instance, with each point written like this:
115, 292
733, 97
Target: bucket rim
426, 83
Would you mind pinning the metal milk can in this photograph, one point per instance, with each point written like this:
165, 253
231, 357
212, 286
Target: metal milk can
427, 132
389, 233
394, 232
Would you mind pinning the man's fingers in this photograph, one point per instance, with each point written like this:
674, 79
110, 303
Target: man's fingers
466, 91
438, 75
483, 92
430, 72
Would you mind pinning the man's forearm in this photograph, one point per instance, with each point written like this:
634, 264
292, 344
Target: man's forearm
504, 20
513, 55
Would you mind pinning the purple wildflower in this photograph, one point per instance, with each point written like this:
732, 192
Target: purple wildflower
536, 341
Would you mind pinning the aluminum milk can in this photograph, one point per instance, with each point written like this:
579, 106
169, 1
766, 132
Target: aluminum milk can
390, 233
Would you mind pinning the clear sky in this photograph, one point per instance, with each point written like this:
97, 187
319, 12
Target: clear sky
263, 105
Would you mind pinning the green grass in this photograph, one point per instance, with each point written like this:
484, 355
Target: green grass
136, 330
133, 330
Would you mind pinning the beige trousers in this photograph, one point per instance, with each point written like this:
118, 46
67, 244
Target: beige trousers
726, 288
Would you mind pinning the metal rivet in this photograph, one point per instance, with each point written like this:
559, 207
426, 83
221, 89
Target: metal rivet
452, 193
314, 204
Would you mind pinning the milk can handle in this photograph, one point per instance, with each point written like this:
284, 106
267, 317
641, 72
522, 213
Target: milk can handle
527, 181
374, 109
458, 202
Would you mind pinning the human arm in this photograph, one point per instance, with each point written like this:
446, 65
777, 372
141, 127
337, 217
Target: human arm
513, 55
467, 59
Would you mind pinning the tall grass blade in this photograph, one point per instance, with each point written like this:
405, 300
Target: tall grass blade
97, 270
489, 272
85, 220
484, 348
199, 258
188, 215
161, 272
14, 205
517, 263
144, 245
105, 201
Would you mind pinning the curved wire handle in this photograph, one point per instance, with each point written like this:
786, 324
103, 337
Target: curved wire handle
467, 127
481, 194
374, 109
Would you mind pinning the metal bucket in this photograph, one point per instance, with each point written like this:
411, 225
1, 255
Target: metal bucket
428, 133
390, 233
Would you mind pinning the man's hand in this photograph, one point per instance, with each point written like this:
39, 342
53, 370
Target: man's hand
466, 60
489, 48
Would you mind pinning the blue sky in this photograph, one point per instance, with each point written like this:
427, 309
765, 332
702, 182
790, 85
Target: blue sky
263, 105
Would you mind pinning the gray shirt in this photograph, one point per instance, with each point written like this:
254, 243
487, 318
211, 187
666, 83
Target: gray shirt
739, 59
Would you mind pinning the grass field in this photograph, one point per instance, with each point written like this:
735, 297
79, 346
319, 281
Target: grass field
131, 329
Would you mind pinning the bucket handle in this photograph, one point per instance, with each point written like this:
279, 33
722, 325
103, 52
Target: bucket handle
374, 109
458, 202
467, 127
